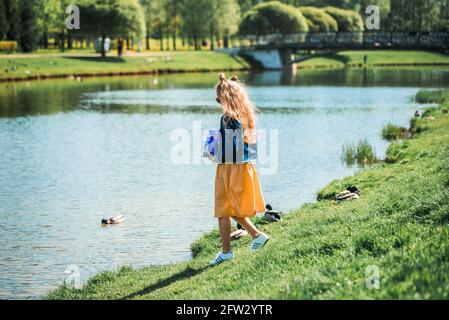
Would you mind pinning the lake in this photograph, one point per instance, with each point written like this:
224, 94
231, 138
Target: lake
74, 152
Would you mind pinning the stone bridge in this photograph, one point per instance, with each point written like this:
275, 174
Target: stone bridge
279, 51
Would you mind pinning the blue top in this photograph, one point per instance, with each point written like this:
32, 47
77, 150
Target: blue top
231, 130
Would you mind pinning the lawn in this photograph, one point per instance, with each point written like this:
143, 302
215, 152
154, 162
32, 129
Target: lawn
25, 67
48, 64
377, 58
399, 227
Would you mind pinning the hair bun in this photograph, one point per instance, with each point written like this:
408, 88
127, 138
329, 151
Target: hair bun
221, 77
234, 78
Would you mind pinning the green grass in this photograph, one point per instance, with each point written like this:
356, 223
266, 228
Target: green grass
377, 58
23, 68
362, 154
392, 132
75, 62
431, 96
322, 250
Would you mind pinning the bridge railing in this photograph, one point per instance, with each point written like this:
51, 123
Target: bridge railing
335, 40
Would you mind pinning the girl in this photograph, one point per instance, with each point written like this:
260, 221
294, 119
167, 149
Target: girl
238, 194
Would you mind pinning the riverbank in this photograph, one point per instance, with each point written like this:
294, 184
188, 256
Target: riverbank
23, 67
323, 250
377, 58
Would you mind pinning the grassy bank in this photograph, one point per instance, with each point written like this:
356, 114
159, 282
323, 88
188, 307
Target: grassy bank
377, 58
322, 250
47, 66
41, 66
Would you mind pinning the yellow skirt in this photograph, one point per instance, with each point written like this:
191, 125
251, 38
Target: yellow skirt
237, 191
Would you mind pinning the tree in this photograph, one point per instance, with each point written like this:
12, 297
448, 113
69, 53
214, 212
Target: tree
3, 21
347, 20
273, 17
225, 20
246, 5
173, 18
110, 18
155, 18
318, 20
12, 11
131, 14
28, 32
151, 12
196, 17
50, 19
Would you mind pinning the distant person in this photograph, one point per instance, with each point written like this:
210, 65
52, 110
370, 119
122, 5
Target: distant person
238, 194
365, 60
120, 47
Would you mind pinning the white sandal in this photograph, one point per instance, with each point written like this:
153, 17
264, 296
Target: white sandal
259, 242
221, 257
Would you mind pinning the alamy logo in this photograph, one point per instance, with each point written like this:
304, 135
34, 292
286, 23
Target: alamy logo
372, 274
372, 22
72, 279
73, 21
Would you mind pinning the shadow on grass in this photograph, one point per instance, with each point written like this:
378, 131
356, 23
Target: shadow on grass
185, 274
98, 59
333, 55
338, 57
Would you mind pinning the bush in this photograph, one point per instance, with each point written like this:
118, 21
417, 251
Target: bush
318, 20
362, 154
396, 152
417, 126
8, 46
273, 17
347, 20
430, 96
391, 132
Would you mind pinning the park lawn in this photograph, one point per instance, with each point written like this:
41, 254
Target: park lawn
377, 58
23, 68
323, 250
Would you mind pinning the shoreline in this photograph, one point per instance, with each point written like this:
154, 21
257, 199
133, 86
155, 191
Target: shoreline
18, 68
65, 76
370, 66
117, 74
340, 223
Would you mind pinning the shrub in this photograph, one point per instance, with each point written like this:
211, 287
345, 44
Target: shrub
8, 46
430, 96
273, 17
318, 20
391, 132
395, 152
362, 154
417, 126
347, 20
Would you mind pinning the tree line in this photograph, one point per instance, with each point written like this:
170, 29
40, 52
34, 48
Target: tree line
197, 23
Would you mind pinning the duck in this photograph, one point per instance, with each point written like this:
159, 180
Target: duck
351, 193
272, 215
113, 220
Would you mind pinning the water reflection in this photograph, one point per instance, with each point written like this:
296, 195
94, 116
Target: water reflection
53, 96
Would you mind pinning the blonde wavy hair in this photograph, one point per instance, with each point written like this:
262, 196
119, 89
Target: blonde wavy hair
234, 99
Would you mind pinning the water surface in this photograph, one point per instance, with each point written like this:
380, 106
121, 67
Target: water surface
75, 152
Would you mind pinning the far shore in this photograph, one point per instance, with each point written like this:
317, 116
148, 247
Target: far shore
29, 67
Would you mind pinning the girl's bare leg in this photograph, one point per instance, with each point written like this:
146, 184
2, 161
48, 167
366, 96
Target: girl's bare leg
224, 225
248, 226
